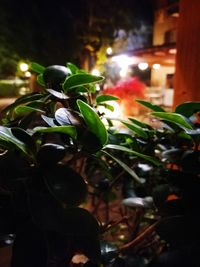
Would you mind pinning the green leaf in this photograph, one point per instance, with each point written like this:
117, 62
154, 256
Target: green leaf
22, 100
140, 132
40, 79
139, 123
188, 109
176, 118
125, 149
104, 98
21, 110
7, 136
93, 121
91, 88
74, 69
69, 130
37, 67
24, 137
79, 79
109, 107
150, 105
125, 167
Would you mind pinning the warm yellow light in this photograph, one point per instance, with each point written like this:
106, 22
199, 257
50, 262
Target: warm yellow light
156, 66
143, 65
23, 66
95, 72
27, 74
172, 51
109, 51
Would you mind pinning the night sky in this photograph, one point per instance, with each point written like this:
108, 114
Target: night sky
49, 31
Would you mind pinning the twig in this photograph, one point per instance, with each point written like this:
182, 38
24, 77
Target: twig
139, 238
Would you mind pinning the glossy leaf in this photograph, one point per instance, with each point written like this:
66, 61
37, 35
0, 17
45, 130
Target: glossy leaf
68, 130
37, 67
125, 149
139, 131
48, 120
22, 100
104, 98
24, 137
50, 154
126, 168
93, 121
140, 124
57, 94
187, 109
175, 118
67, 117
22, 110
80, 79
150, 105
74, 69
7, 136
109, 107
40, 80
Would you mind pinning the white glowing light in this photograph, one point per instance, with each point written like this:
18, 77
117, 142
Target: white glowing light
123, 60
23, 66
123, 72
143, 65
95, 72
109, 51
27, 74
116, 113
156, 66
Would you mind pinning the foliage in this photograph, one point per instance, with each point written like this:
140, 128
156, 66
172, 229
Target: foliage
71, 183
50, 142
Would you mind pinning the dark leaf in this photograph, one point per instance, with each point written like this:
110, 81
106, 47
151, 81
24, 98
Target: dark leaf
68, 117
59, 95
187, 109
24, 137
48, 120
50, 153
109, 252
66, 185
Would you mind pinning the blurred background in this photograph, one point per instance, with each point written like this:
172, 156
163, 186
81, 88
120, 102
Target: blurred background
132, 43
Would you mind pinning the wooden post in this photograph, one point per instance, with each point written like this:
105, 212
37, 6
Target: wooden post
187, 75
